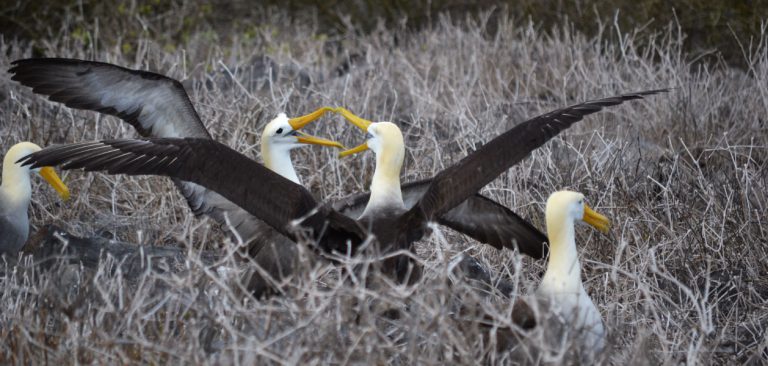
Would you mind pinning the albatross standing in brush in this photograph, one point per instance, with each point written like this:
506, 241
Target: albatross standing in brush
569, 326
15, 195
293, 211
571, 314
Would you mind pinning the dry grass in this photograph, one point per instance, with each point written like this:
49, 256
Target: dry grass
680, 278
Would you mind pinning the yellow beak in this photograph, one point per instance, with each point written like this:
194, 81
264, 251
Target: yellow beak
359, 148
299, 122
362, 124
595, 219
304, 138
53, 179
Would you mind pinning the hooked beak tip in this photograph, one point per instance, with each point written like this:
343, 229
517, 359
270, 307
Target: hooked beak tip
596, 220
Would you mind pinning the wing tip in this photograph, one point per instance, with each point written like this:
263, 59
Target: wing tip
20, 64
644, 93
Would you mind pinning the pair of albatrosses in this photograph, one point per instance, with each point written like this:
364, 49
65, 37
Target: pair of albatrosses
15, 195
158, 106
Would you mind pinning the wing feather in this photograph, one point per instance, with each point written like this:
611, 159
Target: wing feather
256, 189
480, 217
199, 160
154, 104
455, 184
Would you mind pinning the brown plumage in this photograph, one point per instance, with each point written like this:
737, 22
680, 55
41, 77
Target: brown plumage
466, 177
277, 200
480, 217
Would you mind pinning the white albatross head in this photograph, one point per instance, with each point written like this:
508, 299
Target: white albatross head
281, 135
567, 207
16, 177
386, 141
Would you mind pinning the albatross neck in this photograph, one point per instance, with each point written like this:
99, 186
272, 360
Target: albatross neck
278, 160
385, 185
563, 270
15, 187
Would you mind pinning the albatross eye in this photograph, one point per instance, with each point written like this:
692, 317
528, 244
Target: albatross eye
279, 130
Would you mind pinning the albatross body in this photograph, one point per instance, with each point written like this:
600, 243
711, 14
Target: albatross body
571, 311
568, 328
273, 253
15, 195
292, 210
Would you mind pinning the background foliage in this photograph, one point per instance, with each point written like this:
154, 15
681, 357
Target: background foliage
714, 27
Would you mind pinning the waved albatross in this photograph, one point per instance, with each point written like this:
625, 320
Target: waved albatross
15, 195
570, 313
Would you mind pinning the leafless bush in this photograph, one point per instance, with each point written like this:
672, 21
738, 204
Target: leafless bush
680, 278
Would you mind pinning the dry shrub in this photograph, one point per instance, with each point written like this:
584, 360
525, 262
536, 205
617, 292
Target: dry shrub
680, 278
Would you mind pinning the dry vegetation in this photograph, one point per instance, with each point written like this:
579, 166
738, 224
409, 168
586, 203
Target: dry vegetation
680, 278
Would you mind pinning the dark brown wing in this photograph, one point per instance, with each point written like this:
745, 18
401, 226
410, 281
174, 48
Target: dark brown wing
155, 105
482, 218
455, 184
256, 189
489, 222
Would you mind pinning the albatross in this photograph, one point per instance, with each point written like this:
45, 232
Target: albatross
16, 193
292, 210
158, 106
568, 321
571, 314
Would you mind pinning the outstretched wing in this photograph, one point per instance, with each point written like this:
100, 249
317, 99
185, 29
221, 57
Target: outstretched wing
482, 218
155, 105
455, 184
489, 222
256, 189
